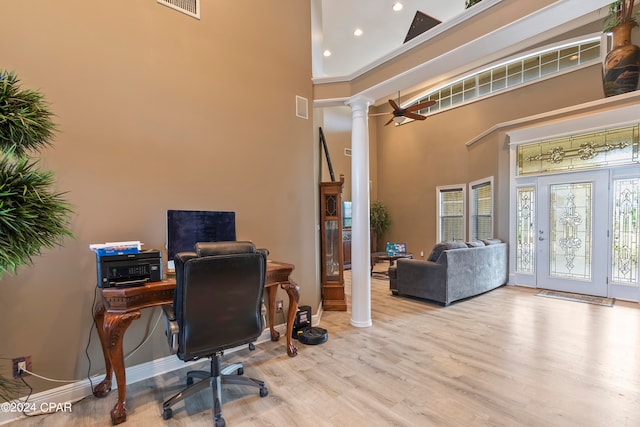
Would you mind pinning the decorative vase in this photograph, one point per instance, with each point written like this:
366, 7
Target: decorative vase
622, 63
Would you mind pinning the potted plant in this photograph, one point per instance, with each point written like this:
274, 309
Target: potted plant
622, 63
469, 3
32, 216
380, 221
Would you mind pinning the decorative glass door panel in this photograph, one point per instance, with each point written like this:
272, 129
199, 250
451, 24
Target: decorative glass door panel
624, 275
570, 230
572, 234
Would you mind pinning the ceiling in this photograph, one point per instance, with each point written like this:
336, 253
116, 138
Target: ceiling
383, 30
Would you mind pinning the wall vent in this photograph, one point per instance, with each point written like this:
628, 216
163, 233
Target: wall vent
302, 107
347, 152
189, 7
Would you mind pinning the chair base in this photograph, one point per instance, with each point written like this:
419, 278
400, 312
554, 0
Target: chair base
231, 374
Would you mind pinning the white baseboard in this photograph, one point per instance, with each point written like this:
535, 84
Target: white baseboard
73, 392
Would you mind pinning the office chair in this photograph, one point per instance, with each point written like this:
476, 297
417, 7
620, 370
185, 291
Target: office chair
217, 305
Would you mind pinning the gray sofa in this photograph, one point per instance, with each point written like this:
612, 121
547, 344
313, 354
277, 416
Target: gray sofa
453, 271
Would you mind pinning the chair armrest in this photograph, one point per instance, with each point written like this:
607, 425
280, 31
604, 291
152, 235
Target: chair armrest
171, 330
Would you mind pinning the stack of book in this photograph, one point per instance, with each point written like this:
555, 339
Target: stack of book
116, 248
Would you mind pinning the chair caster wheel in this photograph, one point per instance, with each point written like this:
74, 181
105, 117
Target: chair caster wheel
189, 380
264, 392
240, 371
220, 422
167, 413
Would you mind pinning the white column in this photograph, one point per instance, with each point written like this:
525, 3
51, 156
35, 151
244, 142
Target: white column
360, 235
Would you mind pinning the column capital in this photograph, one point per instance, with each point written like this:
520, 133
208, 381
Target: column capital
359, 101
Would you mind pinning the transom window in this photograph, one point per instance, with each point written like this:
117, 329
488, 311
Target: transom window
517, 71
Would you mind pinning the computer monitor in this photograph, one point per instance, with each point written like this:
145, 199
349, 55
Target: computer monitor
185, 228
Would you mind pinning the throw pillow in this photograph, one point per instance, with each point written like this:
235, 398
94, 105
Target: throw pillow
491, 241
444, 246
475, 244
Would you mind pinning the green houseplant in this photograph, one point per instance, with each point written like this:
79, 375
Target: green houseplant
620, 12
32, 216
469, 3
380, 220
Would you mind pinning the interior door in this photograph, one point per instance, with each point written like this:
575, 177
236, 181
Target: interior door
572, 232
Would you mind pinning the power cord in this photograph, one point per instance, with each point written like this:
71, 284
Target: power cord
86, 351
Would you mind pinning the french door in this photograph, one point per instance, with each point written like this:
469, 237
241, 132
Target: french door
572, 232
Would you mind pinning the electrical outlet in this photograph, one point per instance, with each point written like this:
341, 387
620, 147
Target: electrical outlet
20, 364
421, 254
279, 305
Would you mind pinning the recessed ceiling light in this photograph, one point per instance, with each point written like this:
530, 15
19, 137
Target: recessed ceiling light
357, 32
327, 52
397, 6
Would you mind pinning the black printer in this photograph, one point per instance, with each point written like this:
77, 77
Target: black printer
129, 270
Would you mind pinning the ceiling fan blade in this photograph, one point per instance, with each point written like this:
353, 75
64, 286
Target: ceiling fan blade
394, 105
390, 120
414, 116
420, 106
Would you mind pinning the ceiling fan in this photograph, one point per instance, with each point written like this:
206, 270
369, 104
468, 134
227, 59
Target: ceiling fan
400, 113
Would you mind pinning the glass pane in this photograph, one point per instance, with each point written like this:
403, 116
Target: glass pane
452, 229
569, 57
531, 68
589, 150
470, 94
451, 215
589, 51
626, 231
514, 79
571, 233
525, 223
484, 78
549, 63
332, 262
499, 73
469, 83
499, 84
482, 212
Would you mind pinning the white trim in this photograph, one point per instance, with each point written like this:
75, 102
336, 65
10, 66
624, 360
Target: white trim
550, 21
444, 188
477, 183
73, 392
418, 40
518, 135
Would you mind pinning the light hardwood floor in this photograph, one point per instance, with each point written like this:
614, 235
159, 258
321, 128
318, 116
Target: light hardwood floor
505, 358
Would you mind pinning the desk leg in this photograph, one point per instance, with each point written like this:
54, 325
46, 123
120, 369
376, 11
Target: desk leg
271, 293
293, 291
102, 389
111, 329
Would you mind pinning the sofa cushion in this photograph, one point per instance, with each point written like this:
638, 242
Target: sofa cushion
491, 241
475, 244
444, 246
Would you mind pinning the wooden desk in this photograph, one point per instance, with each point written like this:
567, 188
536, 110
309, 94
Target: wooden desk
121, 306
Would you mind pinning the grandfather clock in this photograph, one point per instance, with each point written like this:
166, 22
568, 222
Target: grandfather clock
332, 261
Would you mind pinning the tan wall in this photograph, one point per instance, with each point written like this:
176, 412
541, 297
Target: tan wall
158, 111
415, 158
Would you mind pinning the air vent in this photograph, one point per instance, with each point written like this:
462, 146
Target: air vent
188, 7
302, 107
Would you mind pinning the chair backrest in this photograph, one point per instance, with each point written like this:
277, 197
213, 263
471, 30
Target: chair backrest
218, 297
